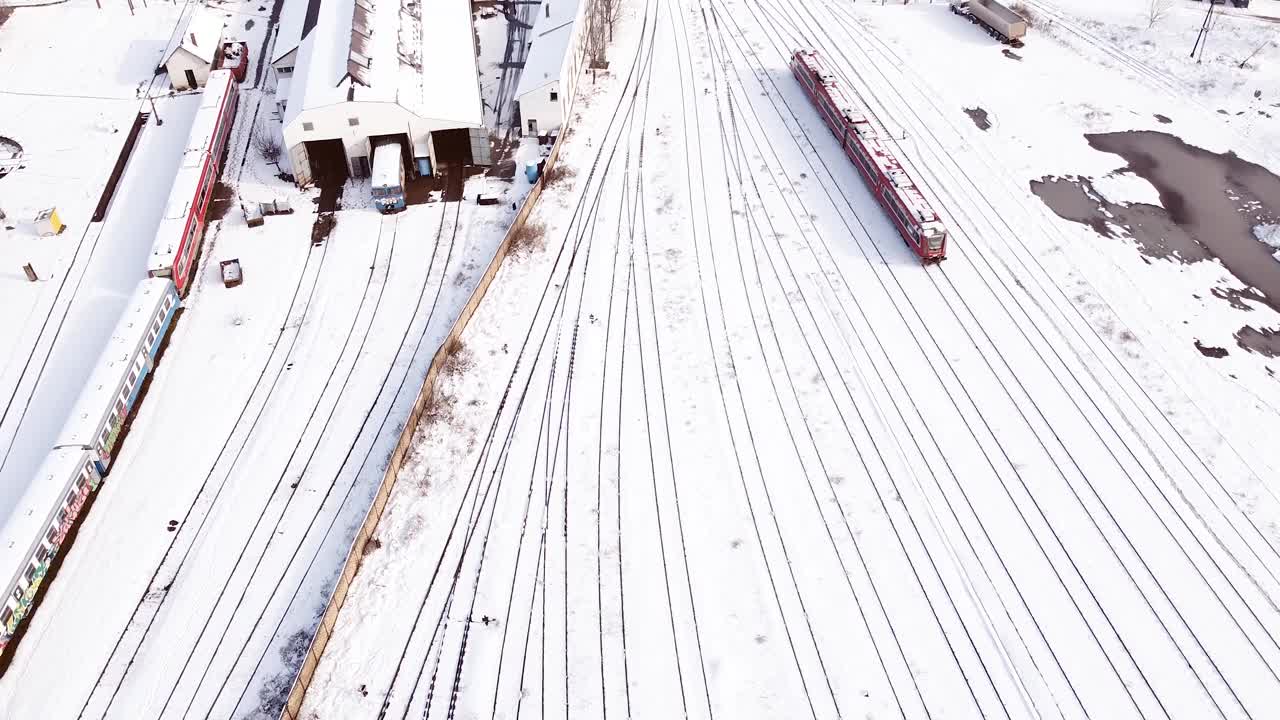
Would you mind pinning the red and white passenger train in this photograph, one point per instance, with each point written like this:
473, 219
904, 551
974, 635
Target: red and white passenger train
919, 225
34, 535
178, 238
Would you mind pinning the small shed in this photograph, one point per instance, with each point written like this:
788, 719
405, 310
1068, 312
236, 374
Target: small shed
193, 54
546, 82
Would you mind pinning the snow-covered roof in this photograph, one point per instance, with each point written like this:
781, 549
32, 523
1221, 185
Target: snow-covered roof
452, 88
202, 37
36, 510
99, 394
359, 52
289, 27
320, 72
551, 34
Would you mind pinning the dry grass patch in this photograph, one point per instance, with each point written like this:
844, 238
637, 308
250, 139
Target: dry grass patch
527, 238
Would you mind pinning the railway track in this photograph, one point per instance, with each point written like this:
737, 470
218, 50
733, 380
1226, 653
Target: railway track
862, 65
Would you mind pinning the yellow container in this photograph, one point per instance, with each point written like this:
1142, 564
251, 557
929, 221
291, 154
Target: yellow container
48, 223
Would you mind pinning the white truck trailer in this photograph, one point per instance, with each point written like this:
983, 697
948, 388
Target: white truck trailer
999, 21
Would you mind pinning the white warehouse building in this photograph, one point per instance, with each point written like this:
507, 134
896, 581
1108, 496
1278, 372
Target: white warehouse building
348, 74
190, 56
551, 68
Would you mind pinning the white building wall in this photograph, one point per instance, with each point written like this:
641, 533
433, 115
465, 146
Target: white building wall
575, 60
179, 63
538, 106
333, 122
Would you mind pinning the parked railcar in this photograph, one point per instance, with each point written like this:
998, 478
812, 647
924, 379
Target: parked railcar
173, 254
388, 175
35, 532
107, 399
907, 207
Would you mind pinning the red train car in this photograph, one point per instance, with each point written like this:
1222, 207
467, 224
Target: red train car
177, 242
916, 221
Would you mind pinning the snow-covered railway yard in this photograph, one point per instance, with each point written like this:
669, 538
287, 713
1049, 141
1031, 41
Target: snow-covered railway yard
193, 584
69, 124
219, 535
722, 447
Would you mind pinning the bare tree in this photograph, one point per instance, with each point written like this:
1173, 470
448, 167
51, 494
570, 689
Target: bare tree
610, 12
597, 33
266, 142
1156, 10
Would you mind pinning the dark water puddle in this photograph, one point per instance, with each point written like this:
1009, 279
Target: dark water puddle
1236, 297
1264, 342
1163, 118
979, 117
1210, 203
1211, 351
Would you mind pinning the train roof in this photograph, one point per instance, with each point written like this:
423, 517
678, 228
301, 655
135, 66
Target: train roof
187, 180
98, 396
885, 161
35, 510
386, 165
902, 183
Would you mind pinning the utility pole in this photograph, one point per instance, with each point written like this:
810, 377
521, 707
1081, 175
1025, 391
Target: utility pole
1255, 52
1202, 37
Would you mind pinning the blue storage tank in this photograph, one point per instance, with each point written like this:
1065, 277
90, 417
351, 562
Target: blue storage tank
531, 172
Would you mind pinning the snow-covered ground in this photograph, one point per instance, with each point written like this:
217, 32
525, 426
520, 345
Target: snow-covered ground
71, 121
200, 572
722, 447
276, 405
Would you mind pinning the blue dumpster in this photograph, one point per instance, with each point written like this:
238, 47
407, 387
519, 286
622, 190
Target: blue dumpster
531, 171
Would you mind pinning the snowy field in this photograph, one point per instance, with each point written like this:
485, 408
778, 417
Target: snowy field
720, 446
71, 121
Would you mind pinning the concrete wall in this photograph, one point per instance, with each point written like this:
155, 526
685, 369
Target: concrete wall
293, 706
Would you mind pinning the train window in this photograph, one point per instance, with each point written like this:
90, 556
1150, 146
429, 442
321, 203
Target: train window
133, 376
41, 553
897, 210
52, 536
5, 615
17, 594
80, 482
30, 574
71, 498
